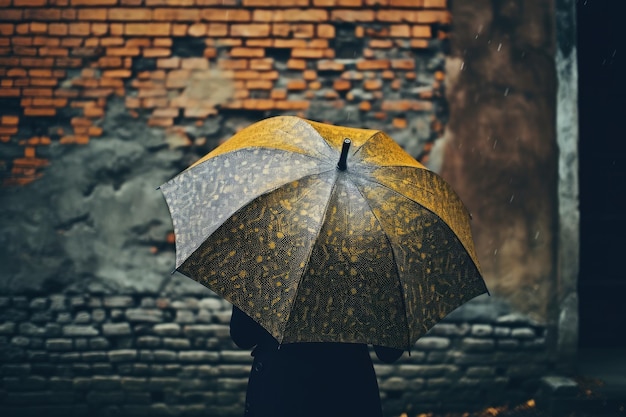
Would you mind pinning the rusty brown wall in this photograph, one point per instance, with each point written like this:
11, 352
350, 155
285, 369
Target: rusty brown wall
500, 150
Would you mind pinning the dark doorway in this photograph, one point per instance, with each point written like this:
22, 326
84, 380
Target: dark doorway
602, 112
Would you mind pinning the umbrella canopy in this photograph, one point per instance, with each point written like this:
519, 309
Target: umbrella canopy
324, 233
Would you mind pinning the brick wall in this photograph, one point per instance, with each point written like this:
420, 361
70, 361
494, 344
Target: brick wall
176, 62
195, 71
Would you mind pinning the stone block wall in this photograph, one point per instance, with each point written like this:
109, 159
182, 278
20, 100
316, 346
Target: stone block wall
172, 355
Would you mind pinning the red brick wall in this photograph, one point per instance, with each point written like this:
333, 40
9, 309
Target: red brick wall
61, 61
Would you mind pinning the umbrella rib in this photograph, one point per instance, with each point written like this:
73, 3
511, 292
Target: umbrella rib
393, 255
319, 230
365, 142
319, 135
425, 207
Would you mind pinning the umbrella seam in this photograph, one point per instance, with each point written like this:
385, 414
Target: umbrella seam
426, 208
393, 254
308, 258
376, 133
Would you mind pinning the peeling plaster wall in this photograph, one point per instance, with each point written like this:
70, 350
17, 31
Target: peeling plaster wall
500, 149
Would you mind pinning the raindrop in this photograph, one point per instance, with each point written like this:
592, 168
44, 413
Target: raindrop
495, 252
614, 52
506, 92
511, 199
495, 142
499, 46
348, 114
537, 235
462, 65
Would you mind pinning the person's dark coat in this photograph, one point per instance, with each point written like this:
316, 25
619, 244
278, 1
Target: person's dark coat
308, 379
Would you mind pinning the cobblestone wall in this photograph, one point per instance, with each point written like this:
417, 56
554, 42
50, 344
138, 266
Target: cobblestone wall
155, 355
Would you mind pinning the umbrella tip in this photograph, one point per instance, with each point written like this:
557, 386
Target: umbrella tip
343, 165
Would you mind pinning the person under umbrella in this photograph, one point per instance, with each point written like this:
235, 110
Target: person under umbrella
325, 239
308, 379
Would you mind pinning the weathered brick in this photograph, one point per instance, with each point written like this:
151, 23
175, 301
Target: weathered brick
372, 64
225, 15
421, 31
42, 14
161, 383
161, 355
472, 344
290, 15
148, 342
349, 15
198, 356
176, 343
432, 16
419, 43
308, 53
402, 3
146, 315
116, 329
197, 29
123, 51
29, 3
122, 355
374, 84
59, 344
400, 31
93, 2
255, 64
247, 52
176, 14
128, 14
167, 329
194, 63
253, 30
432, 343
147, 29
77, 330
523, 333
92, 14
275, 3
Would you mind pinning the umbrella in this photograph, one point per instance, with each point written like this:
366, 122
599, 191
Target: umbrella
324, 233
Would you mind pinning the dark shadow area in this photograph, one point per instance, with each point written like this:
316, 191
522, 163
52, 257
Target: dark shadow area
602, 111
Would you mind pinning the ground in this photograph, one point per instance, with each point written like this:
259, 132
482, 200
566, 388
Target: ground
593, 403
